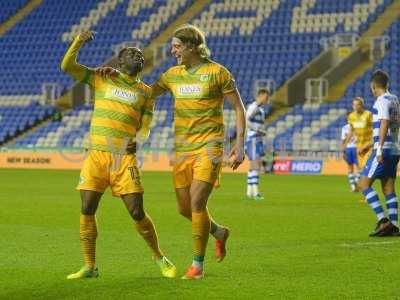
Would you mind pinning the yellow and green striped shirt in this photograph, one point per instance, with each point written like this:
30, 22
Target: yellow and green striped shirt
120, 103
199, 95
123, 104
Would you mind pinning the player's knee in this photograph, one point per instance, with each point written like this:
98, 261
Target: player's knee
136, 212
387, 190
362, 186
198, 206
88, 208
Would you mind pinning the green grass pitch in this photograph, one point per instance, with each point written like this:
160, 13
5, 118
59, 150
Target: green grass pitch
307, 240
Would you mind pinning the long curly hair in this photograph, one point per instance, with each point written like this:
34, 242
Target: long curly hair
194, 38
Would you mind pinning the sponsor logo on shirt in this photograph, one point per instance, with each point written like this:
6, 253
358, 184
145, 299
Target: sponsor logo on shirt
124, 95
189, 89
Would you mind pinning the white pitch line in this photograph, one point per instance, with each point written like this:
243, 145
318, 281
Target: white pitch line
361, 244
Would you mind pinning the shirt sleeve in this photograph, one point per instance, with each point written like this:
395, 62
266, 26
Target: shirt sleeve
382, 107
70, 65
251, 110
91, 77
350, 121
226, 81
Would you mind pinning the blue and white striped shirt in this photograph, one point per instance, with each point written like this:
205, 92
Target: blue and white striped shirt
255, 118
387, 107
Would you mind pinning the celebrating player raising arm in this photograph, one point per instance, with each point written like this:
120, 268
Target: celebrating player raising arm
123, 106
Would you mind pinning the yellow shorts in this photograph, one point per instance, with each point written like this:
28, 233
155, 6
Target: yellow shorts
204, 165
102, 169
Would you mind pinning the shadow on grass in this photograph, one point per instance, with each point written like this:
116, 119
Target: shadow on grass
111, 287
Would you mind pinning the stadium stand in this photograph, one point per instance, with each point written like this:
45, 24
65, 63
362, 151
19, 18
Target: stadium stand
274, 39
34, 48
9, 8
65, 133
20, 116
255, 39
317, 127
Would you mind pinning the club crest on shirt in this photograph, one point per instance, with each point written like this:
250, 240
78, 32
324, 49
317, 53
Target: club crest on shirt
189, 90
121, 94
204, 77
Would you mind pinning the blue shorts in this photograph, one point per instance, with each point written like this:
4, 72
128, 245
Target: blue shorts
388, 168
254, 149
351, 156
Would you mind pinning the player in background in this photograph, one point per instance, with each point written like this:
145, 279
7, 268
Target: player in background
382, 163
123, 106
255, 121
360, 121
199, 87
349, 150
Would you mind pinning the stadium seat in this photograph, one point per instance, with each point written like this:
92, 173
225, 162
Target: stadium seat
254, 39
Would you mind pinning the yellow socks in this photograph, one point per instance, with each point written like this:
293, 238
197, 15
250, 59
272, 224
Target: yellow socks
200, 232
215, 229
146, 229
88, 235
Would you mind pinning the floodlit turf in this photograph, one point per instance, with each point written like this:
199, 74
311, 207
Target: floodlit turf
307, 240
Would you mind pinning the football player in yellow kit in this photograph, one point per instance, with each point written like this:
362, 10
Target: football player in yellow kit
360, 121
199, 87
123, 106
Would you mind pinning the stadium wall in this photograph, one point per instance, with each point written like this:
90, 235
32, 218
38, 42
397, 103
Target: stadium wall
293, 165
63, 160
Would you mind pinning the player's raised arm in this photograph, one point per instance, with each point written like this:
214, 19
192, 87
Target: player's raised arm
69, 63
238, 150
